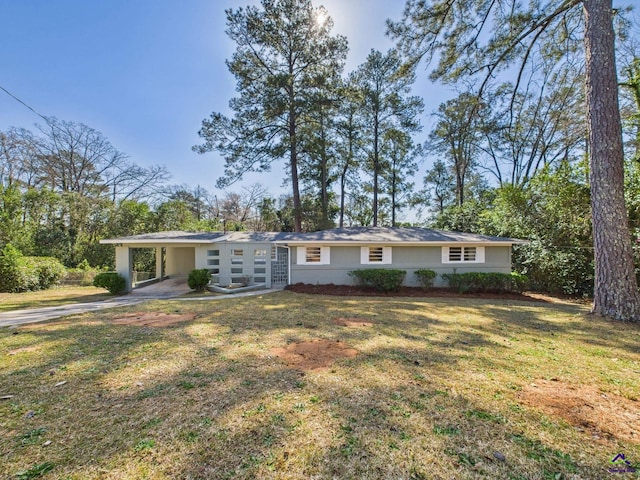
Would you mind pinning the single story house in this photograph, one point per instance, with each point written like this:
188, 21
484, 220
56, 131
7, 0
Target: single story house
323, 257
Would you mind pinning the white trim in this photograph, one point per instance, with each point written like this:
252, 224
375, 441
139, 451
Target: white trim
479, 257
364, 255
325, 255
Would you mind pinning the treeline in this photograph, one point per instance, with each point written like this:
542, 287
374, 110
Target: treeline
65, 188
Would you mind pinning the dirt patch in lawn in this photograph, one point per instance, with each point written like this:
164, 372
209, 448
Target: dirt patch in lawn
604, 416
153, 319
29, 349
352, 322
352, 290
313, 354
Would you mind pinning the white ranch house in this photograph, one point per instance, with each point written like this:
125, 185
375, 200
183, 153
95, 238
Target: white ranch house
323, 257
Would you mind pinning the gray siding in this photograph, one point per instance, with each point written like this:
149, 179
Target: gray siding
347, 258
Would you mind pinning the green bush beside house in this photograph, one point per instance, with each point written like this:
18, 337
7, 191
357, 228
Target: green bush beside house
199, 279
112, 281
380, 279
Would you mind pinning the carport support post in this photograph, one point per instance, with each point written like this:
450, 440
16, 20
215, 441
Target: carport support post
159, 263
124, 266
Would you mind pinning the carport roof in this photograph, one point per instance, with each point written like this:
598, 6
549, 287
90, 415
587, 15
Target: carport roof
173, 236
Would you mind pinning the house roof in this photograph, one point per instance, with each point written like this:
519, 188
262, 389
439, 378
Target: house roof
404, 235
349, 235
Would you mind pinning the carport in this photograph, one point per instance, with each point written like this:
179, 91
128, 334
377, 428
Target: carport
175, 251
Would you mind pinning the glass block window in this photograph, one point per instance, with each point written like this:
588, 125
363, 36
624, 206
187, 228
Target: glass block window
236, 270
213, 253
259, 279
259, 270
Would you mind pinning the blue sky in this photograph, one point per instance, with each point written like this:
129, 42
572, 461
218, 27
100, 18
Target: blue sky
146, 73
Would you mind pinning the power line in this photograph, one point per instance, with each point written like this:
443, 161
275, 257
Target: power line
23, 103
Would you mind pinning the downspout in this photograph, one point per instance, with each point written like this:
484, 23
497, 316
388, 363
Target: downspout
288, 264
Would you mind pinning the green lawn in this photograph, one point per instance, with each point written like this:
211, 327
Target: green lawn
52, 297
436, 391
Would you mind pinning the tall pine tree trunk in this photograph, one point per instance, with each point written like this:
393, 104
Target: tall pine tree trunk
616, 291
293, 153
376, 169
293, 163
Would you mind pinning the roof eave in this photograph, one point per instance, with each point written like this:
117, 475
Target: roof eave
355, 243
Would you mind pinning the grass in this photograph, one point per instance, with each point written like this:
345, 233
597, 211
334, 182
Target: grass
51, 298
433, 392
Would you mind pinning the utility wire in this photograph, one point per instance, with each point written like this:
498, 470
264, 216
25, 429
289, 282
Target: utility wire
51, 124
21, 102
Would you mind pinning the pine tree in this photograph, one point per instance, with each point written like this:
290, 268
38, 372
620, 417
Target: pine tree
282, 49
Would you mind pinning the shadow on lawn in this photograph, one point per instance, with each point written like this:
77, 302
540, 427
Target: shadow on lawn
227, 409
42, 301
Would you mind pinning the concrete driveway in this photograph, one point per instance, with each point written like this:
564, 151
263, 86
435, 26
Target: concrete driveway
172, 287
162, 291
168, 288
32, 315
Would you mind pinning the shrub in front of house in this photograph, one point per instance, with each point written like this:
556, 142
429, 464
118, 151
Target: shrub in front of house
199, 279
19, 273
491, 282
425, 277
112, 281
380, 279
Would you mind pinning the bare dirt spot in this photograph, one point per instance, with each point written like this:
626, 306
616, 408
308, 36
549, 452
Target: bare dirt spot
17, 351
313, 354
601, 415
352, 322
153, 319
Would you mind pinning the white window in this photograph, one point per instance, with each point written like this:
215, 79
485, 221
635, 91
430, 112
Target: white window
313, 255
466, 254
375, 255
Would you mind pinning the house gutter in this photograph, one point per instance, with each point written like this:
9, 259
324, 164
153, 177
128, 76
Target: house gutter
288, 264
